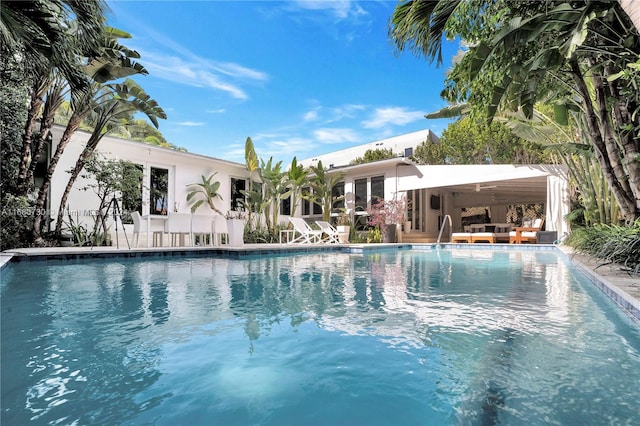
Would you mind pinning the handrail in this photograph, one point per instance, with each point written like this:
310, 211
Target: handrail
442, 226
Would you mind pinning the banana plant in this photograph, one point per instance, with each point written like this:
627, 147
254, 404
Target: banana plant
298, 177
276, 184
207, 190
322, 184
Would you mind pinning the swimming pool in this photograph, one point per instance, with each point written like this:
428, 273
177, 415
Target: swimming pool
388, 337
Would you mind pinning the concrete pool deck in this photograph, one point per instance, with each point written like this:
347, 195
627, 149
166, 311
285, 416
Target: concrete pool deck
618, 284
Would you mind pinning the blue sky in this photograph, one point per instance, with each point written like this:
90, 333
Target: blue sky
301, 78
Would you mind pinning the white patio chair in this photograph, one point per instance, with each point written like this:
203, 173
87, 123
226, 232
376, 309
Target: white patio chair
305, 234
220, 229
137, 224
140, 226
178, 226
201, 226
328, 230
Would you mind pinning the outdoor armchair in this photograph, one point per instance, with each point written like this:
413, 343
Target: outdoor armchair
526, 233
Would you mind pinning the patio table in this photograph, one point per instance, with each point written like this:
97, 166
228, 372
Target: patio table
148, 218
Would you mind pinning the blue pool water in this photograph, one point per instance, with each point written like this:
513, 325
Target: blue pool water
412, 337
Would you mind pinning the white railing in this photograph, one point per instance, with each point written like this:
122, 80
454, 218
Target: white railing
444, 220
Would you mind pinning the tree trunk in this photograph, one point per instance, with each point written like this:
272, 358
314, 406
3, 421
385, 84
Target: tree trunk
604, 150
87, 152
72, 126
618, 148
34, 109
51, 106
629, 144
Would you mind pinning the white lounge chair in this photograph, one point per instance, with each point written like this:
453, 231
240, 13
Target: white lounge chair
491, 233
303, 233
328, 230
462, 237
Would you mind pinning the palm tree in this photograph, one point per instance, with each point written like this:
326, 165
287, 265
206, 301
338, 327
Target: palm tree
53, 33
115, 104
50, 39
108, 102
521, 51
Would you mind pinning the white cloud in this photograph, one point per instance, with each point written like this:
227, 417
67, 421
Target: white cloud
284, 149
216, 111
238, 71
179, 65
191, 123
311, 115
334, 135
195, 74
398, 116
339, 9
346, 111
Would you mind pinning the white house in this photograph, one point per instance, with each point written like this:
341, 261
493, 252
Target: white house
401, 146
439, 192
167, 173
435, 193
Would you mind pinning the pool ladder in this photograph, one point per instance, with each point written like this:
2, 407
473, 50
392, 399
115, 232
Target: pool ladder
444, 220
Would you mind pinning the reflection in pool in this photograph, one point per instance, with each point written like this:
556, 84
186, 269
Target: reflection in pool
390, 337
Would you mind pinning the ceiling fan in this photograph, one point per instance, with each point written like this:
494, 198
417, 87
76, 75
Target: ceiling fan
479, 187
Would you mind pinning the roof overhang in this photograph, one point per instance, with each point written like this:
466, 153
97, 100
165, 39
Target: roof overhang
471, 183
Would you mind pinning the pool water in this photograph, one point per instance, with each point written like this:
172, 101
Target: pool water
410, 337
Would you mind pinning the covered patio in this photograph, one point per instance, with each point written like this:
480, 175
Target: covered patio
439, 193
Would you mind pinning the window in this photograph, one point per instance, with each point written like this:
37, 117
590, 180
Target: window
159, 187
306, 205
408, 152
237, 195
285, 206
337, 197
377, 188
317, 209
361, 195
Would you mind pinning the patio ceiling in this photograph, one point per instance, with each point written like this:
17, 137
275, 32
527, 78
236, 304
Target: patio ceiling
482, 184
513, 191
534, 187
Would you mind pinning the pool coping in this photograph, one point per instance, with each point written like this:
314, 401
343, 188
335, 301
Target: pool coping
622, 288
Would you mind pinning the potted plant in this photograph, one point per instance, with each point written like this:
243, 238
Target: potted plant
343, 226
387, 216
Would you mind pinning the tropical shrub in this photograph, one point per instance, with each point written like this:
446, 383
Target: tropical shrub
612, 243
14, 228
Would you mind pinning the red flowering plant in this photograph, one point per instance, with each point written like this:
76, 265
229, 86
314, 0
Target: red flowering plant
387, 212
